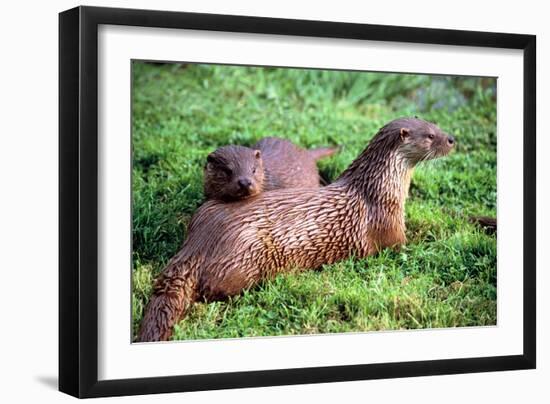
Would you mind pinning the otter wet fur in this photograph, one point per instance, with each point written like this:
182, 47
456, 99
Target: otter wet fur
232, 246
238, 172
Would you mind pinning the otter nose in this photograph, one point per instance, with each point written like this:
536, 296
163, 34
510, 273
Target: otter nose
244, 183
451, 140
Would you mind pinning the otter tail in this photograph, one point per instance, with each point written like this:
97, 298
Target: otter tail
489, 224
322, 152
174, 292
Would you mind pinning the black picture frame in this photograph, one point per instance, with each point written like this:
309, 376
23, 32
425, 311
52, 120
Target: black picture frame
78, 201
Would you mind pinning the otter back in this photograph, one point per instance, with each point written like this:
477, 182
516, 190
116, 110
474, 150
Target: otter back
289, 166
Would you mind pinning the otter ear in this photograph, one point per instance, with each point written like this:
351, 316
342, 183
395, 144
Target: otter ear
257, 154
210, 162
404, 132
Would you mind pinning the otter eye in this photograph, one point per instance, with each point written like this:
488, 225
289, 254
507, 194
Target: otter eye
431, 136
254, 170
227, 171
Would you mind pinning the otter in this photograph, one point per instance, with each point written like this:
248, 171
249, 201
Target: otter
232, 246
237, 172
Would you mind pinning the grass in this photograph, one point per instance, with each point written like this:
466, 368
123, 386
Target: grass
444, 277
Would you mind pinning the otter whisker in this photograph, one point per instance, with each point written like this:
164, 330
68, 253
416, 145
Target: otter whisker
426, 156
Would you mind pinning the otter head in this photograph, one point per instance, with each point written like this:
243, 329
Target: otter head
233, 173
421, 140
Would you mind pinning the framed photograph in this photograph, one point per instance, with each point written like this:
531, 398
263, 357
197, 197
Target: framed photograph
251, 201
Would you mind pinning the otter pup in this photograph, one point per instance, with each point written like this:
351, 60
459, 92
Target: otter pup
231, 247
237, 172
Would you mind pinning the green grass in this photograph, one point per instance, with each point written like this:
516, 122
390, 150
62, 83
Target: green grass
444, 277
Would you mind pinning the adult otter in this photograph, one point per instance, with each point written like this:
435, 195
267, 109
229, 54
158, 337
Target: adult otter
232, 246
237, 172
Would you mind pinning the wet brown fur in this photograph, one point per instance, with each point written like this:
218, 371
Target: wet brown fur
237, 172
232, 246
